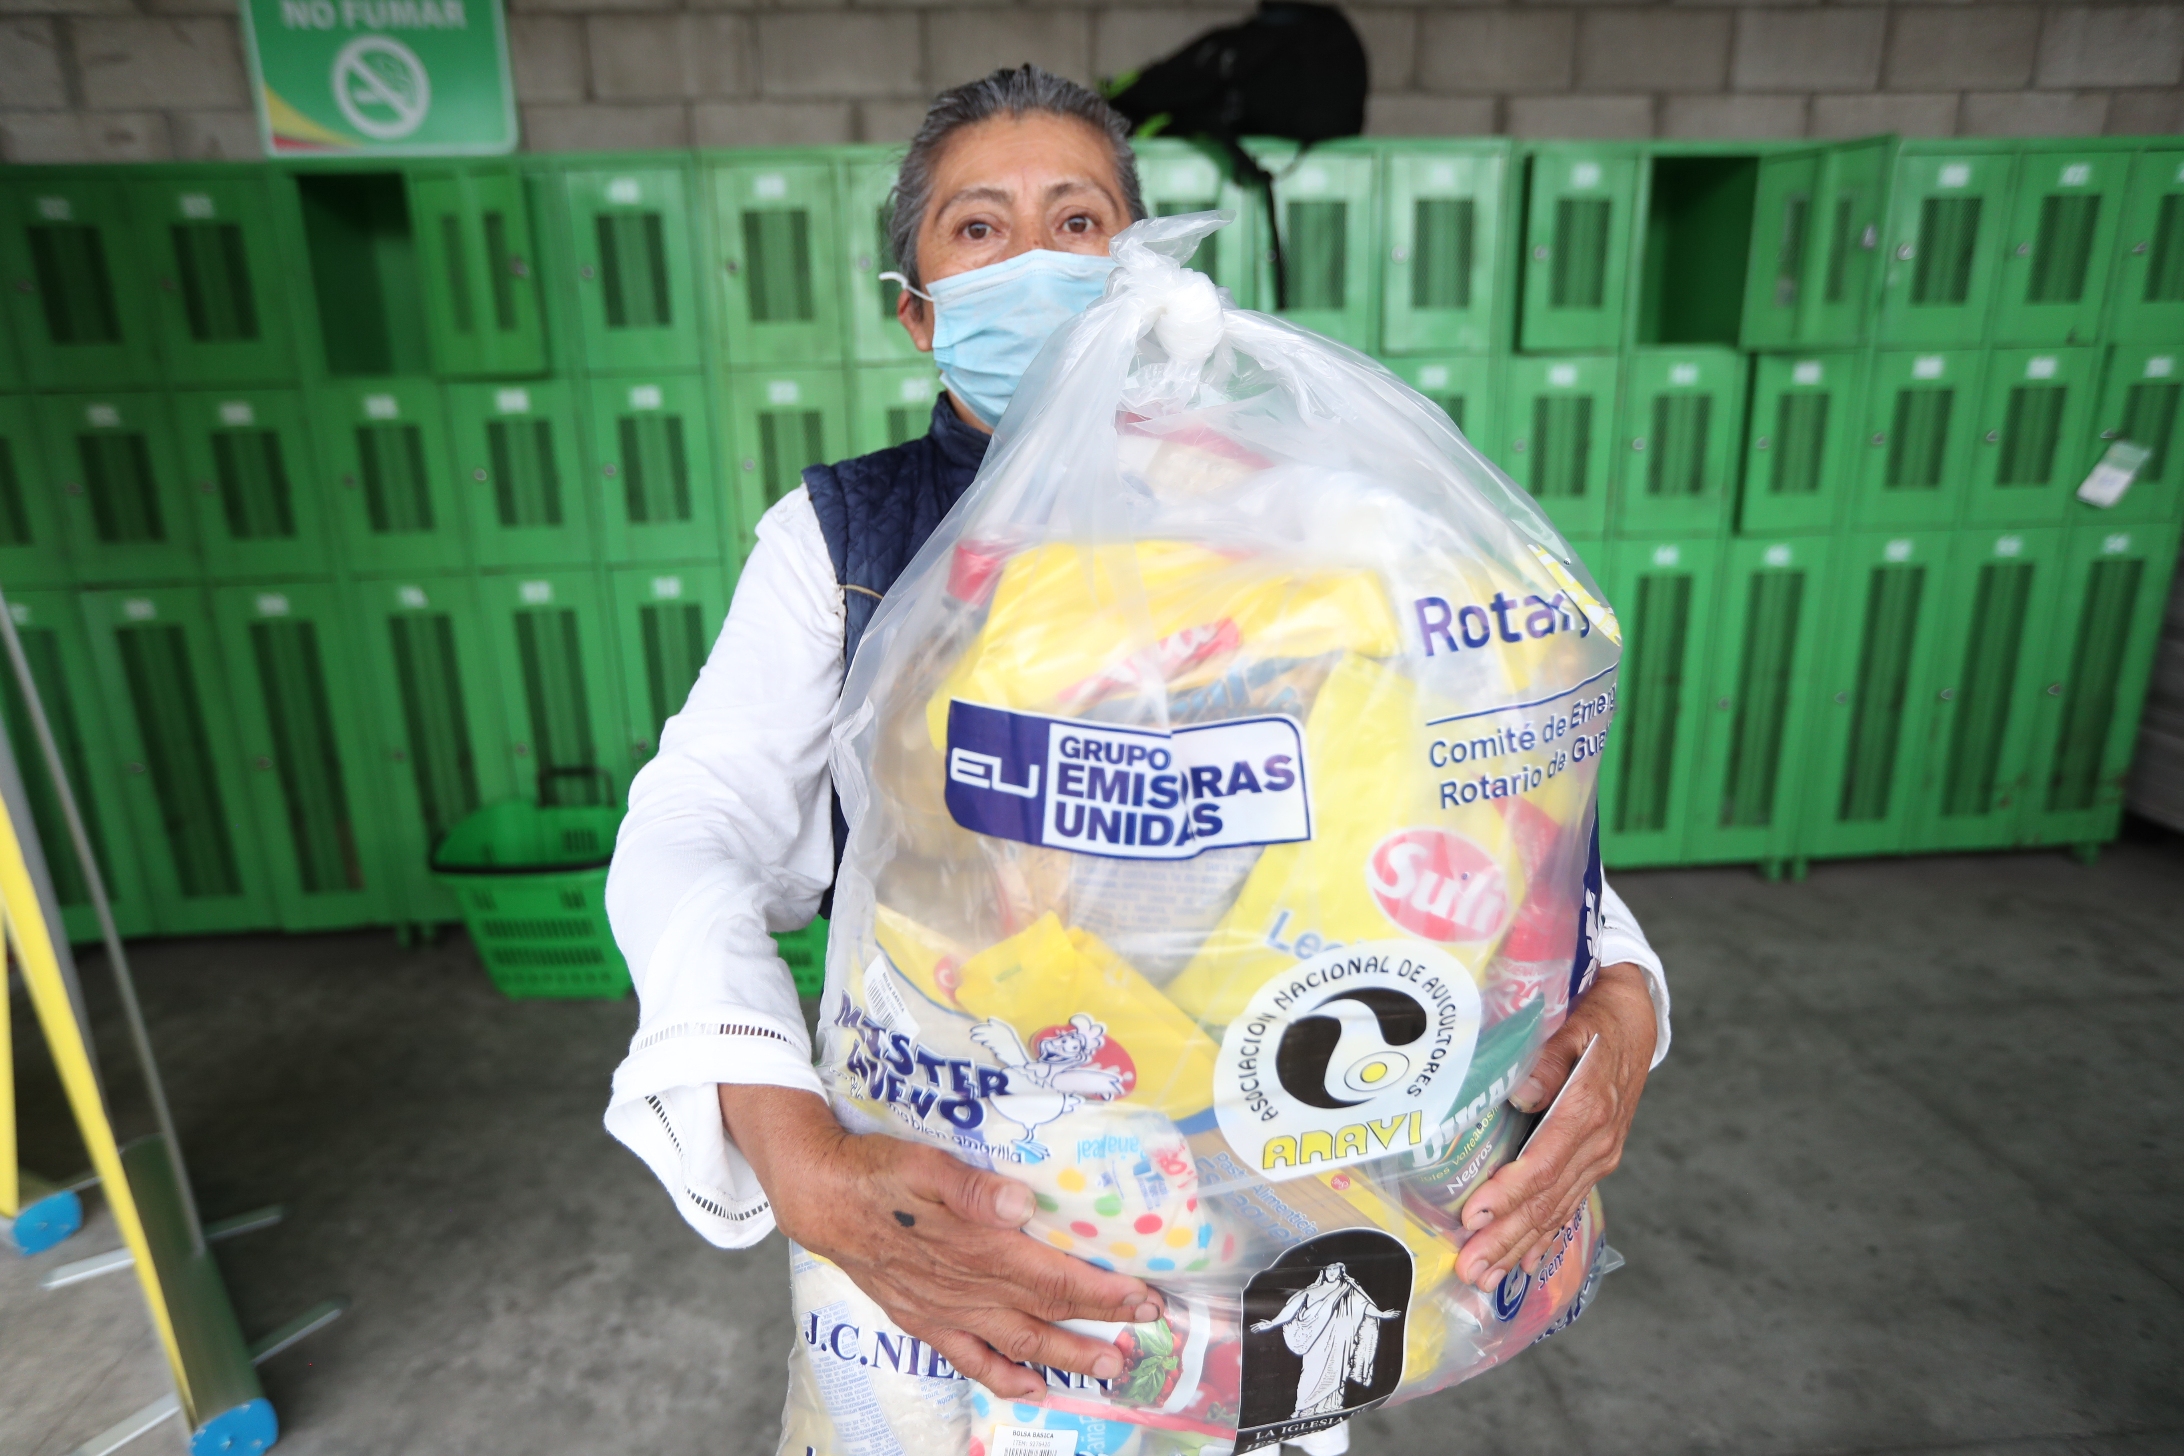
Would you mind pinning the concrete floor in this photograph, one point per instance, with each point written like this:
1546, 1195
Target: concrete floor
1910, 1181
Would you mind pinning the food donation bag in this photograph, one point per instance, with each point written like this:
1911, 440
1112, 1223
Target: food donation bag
1220, 781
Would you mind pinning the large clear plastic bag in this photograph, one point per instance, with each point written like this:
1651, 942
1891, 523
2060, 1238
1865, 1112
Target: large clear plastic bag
1221, 788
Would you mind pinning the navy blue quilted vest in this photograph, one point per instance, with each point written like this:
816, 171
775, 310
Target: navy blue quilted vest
876, 511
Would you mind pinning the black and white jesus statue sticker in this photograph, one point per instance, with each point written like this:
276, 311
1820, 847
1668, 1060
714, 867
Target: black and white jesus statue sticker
1323, 1335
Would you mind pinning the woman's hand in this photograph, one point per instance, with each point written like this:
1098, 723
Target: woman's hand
1517, 1211
935, 1241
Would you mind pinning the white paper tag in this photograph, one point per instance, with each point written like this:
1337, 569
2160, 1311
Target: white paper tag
2113, 475
1032, 1441
884, 999
1567, 1083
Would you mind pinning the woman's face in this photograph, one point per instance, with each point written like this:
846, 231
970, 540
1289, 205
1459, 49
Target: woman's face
1010, 185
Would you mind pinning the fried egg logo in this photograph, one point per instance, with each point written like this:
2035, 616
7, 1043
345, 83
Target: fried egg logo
1352, 1047
1439, 885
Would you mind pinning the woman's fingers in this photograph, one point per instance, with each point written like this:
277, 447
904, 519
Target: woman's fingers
1019, 1337
974, 1357
972, 1194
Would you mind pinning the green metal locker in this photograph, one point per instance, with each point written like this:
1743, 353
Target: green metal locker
783, 421
549, 643
1816, 232
2097, 658
299, 708
890, 403
435, 725
183, 772
12, 376
2139, 403
76, 287
775, 221
2035, 436
1802, 442
1866, 755
32, 552
384, 451
255, 484
475, 248
518, 472
2000, 607
1444, 246
1664, 593
1760, 701
1557, 436
2059, 244
1682, 415
1948, 212
51, 630
1577, 246
128, 516
1921, 419
876, 336
1464, 388
665, 620
2147, 304
1325, 200
1178, 176
216, 264
637, 299
655, 463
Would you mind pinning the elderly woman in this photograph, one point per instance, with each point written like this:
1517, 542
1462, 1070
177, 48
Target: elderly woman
1003, 212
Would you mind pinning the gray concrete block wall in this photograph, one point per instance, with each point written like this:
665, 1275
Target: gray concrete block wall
139, 80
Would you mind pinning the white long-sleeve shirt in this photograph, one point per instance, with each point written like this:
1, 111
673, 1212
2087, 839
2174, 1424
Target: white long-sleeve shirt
729, 838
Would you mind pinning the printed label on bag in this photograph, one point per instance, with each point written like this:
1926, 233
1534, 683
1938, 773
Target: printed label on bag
1032, 1441
1323, 1335
1126, 793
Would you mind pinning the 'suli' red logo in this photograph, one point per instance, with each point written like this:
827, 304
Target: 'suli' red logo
1439, 885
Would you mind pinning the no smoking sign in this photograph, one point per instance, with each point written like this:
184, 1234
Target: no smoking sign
386, 77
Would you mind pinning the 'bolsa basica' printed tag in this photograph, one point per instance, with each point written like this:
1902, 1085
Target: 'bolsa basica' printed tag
1126, 793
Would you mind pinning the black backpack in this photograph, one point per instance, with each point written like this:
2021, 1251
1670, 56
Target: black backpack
1294, 70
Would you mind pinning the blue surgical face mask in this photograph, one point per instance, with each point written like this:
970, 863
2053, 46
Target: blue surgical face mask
990, 323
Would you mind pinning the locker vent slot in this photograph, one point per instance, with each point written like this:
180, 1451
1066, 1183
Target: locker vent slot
556, 700
458, 276
777, 243
1443, 233
14, 514
1579, 278
633, 268
1983, 694
1561, 444
1884, 680
117, 475
905, 424
674, 652
214, 274
1948, 241
2030, 432
2062, 251
155, 663
255, 496
74, 285
498, 266
1800, 442
1918, 438
433, 718
526, 482
1317, 251
884, 250
293, 680
655, 468
1206, 260
42, 649
2165, 269
1842, 237
2149, 419
788, 440
1655, 678
1790, 255
2096, 672
1771, 611
1678, 446
397, 488
1453, 406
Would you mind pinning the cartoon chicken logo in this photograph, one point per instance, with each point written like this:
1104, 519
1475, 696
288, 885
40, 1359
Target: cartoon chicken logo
1062, 1077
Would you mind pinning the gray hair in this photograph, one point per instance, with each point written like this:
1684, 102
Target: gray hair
1007, 91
